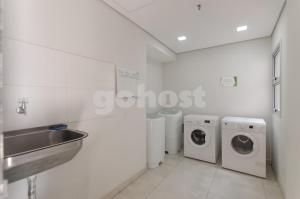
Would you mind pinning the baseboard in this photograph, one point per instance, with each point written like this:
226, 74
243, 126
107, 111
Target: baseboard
122, 186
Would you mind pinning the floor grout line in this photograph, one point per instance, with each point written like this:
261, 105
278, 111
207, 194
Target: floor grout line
212, 181
265, 191
155, 187
173, 170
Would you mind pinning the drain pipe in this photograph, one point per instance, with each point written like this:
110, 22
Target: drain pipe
31, 181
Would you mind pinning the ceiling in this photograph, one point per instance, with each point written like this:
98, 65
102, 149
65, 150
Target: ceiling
215, 24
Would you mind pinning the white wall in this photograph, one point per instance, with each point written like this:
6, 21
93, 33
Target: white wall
57, 54
293, 99
154, 80
279, 134
1, 103
286, 130
250, 61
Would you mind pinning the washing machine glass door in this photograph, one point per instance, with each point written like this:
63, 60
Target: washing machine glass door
199, 137
243, 144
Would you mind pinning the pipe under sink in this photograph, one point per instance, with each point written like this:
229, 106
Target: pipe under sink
31, 151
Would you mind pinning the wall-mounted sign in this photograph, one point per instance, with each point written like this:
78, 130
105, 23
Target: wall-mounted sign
127, 82
229, 81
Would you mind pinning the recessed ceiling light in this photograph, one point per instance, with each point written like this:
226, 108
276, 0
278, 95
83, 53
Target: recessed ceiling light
182, 38
241, 28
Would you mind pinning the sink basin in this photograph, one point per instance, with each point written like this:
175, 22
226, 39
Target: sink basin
31, 151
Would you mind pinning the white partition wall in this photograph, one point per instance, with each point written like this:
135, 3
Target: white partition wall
59, 61
2, 182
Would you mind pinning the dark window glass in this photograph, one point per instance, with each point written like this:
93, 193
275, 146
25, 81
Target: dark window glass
242, 144
198, 137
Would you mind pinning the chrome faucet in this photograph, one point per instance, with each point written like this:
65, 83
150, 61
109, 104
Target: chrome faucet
22, 108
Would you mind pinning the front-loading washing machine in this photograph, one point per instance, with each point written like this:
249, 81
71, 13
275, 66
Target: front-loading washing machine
202, 137
244, 145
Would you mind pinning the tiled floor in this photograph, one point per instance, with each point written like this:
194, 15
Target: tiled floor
182, 178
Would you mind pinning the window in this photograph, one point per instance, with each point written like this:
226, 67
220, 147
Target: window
277, 79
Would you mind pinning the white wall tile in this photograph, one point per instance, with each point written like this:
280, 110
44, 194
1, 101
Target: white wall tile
31, 65
88, 73
105, 147
45, 106
80, 105
96, 32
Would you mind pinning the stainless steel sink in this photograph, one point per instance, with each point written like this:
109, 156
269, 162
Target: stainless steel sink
31, 151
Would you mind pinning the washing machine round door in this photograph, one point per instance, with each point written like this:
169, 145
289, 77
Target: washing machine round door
199, 138
244, 144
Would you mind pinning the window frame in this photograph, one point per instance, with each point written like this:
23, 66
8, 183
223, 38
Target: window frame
277, 80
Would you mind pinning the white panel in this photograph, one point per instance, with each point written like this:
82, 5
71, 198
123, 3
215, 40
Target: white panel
31, 65
27, 64
80, 105
98, 32
45, 106
88, 73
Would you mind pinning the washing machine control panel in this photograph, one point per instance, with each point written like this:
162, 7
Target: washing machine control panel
201, 122
251, 128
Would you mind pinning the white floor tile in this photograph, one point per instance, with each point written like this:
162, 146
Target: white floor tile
183, 178
173, 160
232, 185
196, 167
121, 196
163, 171
191, 172
211, 196
143, 186
181, 189
273, 191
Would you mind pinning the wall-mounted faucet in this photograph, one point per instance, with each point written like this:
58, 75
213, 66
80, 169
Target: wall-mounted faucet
22, 108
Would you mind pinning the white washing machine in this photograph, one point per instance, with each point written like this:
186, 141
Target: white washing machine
244, 145
202, 137
174, 133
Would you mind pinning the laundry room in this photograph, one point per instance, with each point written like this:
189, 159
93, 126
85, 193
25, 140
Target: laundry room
149, 99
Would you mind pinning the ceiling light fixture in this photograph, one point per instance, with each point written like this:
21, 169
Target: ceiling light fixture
182, 38
241, 28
